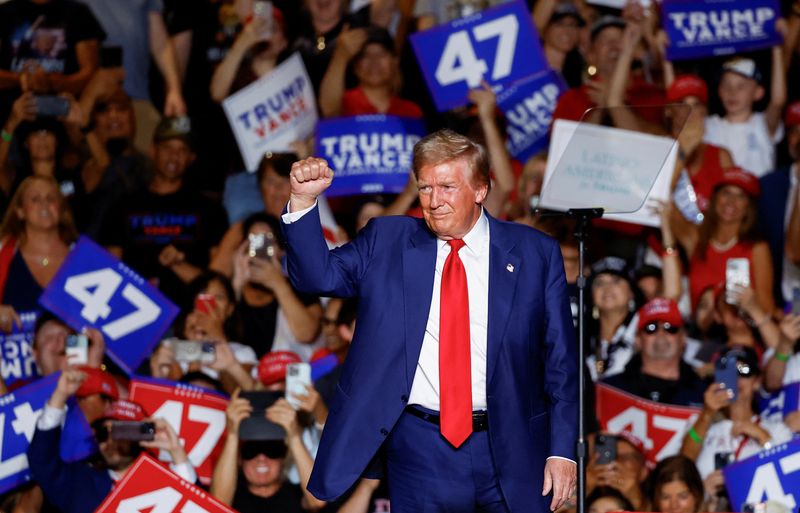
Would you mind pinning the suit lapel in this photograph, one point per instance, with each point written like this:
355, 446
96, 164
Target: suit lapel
419, 266
504, 268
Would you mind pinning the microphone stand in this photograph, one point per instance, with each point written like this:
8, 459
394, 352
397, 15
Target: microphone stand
583, 216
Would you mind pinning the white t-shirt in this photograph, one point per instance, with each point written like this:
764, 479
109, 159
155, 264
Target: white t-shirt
749, 143
718, 440
791, 271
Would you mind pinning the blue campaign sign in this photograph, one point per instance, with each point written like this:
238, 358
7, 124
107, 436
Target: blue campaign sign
705, 28
17, 350
369, 154
772, 475
528, 106
93, 288
783, 402
19, 411
498, 45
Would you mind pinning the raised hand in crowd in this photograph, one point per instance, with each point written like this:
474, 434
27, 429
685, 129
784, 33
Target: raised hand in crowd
267, 272
68, 383
311, 402
223, 482
226, 362
206, 326
163, 364
97, 347
747, 301
775, 369
348, 45
9, 318
166, 440
715, 398
714, 486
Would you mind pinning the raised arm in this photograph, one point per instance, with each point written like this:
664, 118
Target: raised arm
331, 90
163, 53
223, 480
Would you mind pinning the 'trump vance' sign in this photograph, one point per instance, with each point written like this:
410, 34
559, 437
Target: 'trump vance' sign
703, 28
370, 154
272, 112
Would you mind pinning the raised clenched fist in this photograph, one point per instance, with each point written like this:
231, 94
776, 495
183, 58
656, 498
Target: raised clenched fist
309, 178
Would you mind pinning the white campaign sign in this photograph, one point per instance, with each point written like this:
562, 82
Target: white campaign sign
608, 167
273, 112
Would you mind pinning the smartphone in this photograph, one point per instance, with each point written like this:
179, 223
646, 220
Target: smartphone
111, 57
737, 274
257, 426
298, 377
263, 9
132, 430
205, 303
261, 245
51, 106
77, 349
725, 372
606, 448
721, 460
192, 351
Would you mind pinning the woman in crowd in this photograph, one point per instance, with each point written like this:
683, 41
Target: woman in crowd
612, 326
730, 430
273, 316
35, 237
676, 487
605, 499
728, 231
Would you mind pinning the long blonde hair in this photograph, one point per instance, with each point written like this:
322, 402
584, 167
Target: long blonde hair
14, 227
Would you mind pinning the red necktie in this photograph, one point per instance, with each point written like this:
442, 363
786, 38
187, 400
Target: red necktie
455, 377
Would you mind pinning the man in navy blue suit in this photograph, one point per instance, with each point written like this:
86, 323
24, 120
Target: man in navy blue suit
462, 375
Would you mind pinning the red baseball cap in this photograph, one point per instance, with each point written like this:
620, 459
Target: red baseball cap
272, 366
124, 410
660, 309
792, 115
97, 382
746, 181
687, 85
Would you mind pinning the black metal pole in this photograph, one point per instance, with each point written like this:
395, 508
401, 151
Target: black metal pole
582, 216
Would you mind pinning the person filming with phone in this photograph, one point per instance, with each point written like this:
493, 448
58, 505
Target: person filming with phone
462, 370
728, 428
121, 433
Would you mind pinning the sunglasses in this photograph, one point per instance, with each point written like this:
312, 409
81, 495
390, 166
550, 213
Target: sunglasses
652, 327
272, 449
101, 431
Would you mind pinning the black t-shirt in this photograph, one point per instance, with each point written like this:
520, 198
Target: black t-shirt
286, 500
45, 34
258, 322
687, 390
144, 223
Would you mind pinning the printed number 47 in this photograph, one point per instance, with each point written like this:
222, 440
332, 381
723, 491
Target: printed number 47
95, 289
163, 500
459, 62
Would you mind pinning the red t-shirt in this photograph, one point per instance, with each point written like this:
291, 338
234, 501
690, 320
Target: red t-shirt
710, 272
356, 103
645, 99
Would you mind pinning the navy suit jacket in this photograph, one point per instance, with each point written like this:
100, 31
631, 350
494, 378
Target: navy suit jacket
531, 359
771, 215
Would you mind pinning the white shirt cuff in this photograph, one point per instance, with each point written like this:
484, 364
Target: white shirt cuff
290, 217
185, 471
562, 458
51, 418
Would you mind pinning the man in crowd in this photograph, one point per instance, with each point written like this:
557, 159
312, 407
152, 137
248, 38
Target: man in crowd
657, 372
168, 231
448, 354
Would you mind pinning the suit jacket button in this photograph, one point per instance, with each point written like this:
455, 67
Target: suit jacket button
404, 398
384, 432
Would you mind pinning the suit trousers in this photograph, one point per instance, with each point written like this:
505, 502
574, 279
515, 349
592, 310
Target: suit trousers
428, 475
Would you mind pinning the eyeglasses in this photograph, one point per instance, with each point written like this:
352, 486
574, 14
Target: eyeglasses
652, 327
272, 449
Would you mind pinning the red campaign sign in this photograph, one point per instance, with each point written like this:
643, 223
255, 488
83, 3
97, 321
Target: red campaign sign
197, 416
660, 427
148, 486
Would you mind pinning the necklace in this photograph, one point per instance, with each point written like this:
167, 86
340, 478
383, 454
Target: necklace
721, 248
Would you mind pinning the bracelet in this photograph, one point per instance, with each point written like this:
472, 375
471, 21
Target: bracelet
694, 436
782, 357
6, 136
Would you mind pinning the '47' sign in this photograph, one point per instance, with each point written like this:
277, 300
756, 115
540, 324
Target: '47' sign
92, 288
771, 475
498, 45
196, 415
660, 427
149, 487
